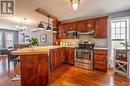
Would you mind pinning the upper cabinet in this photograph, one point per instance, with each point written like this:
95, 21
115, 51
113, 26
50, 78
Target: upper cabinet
70, 27
90, 24
62, 31
101, 27
81, 25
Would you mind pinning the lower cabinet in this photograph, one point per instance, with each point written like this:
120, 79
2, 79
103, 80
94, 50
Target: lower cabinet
100, 59
70, 56
56, 57
61, 55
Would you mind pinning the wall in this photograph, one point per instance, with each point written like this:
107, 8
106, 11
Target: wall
119, 14
37, 35
12, 31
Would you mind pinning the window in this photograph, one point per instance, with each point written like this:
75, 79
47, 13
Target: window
9, 39
1, 40
119, 29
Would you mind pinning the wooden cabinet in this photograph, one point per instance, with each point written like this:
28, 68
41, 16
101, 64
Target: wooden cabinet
62, 31
101, 27
56, 58
34, 69
61, 55
56, 25
81, 25
98, 24
54, 39
90, 24
70, 55
70, 26
100, 59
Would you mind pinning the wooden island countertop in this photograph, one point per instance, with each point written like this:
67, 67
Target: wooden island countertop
37, 50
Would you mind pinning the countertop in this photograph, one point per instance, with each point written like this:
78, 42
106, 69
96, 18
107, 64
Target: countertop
104, 48
122, 49
37, 50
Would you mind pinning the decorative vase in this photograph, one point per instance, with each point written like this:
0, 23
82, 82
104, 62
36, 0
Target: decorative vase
34, 47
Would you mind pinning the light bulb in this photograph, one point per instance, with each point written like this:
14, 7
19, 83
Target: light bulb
75, 6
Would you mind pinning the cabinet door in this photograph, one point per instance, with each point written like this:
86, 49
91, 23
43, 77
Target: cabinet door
52, 59
100, 60
57, 58
62, 55
101, 27
70, 27
90, 24
71, 56
81, 26
75, 26
96, 59
54, 38
62, 31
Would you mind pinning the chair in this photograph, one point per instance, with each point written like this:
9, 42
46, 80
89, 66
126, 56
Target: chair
13, 58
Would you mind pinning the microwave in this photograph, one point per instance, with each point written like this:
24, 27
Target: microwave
72, 34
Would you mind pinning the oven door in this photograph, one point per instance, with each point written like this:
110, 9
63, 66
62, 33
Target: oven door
83, 55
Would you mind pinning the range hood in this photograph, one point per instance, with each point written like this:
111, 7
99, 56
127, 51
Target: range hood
87, 32
71, 31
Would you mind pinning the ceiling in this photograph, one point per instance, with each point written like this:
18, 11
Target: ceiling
61, 9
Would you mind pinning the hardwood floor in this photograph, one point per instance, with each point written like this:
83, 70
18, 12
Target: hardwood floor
66, 75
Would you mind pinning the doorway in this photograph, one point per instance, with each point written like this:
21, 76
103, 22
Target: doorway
119, 33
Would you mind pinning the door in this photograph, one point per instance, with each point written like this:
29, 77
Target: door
119, 32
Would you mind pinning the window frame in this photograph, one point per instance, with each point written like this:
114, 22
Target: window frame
1, 39
126, 27
6, 33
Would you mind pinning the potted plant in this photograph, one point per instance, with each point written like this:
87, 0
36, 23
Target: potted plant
34, 43
126, 44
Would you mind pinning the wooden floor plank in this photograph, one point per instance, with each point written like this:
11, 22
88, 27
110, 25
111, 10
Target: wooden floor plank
66, 75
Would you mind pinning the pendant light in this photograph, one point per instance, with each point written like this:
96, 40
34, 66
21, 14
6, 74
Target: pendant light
75, 4
48, 27
40, 25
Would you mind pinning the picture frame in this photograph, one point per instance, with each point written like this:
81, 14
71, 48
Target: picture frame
43, 38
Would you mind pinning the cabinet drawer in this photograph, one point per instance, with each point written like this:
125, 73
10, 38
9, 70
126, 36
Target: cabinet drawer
100, 66
101, 52
100, 58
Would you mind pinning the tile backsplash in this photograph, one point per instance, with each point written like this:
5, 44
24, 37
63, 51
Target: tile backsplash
75, 42
98, 42
70, 42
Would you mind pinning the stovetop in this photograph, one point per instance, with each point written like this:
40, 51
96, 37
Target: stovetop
86, 46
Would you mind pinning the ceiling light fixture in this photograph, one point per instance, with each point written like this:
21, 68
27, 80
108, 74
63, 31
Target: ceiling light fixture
48, 27
75, 4
22, 25
40, 26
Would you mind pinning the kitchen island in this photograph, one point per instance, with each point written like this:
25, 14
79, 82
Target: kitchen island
34, 65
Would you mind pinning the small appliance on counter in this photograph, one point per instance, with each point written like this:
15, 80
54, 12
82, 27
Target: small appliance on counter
84, 57
63, 44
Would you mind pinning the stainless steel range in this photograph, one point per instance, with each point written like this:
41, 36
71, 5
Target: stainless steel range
84, 55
